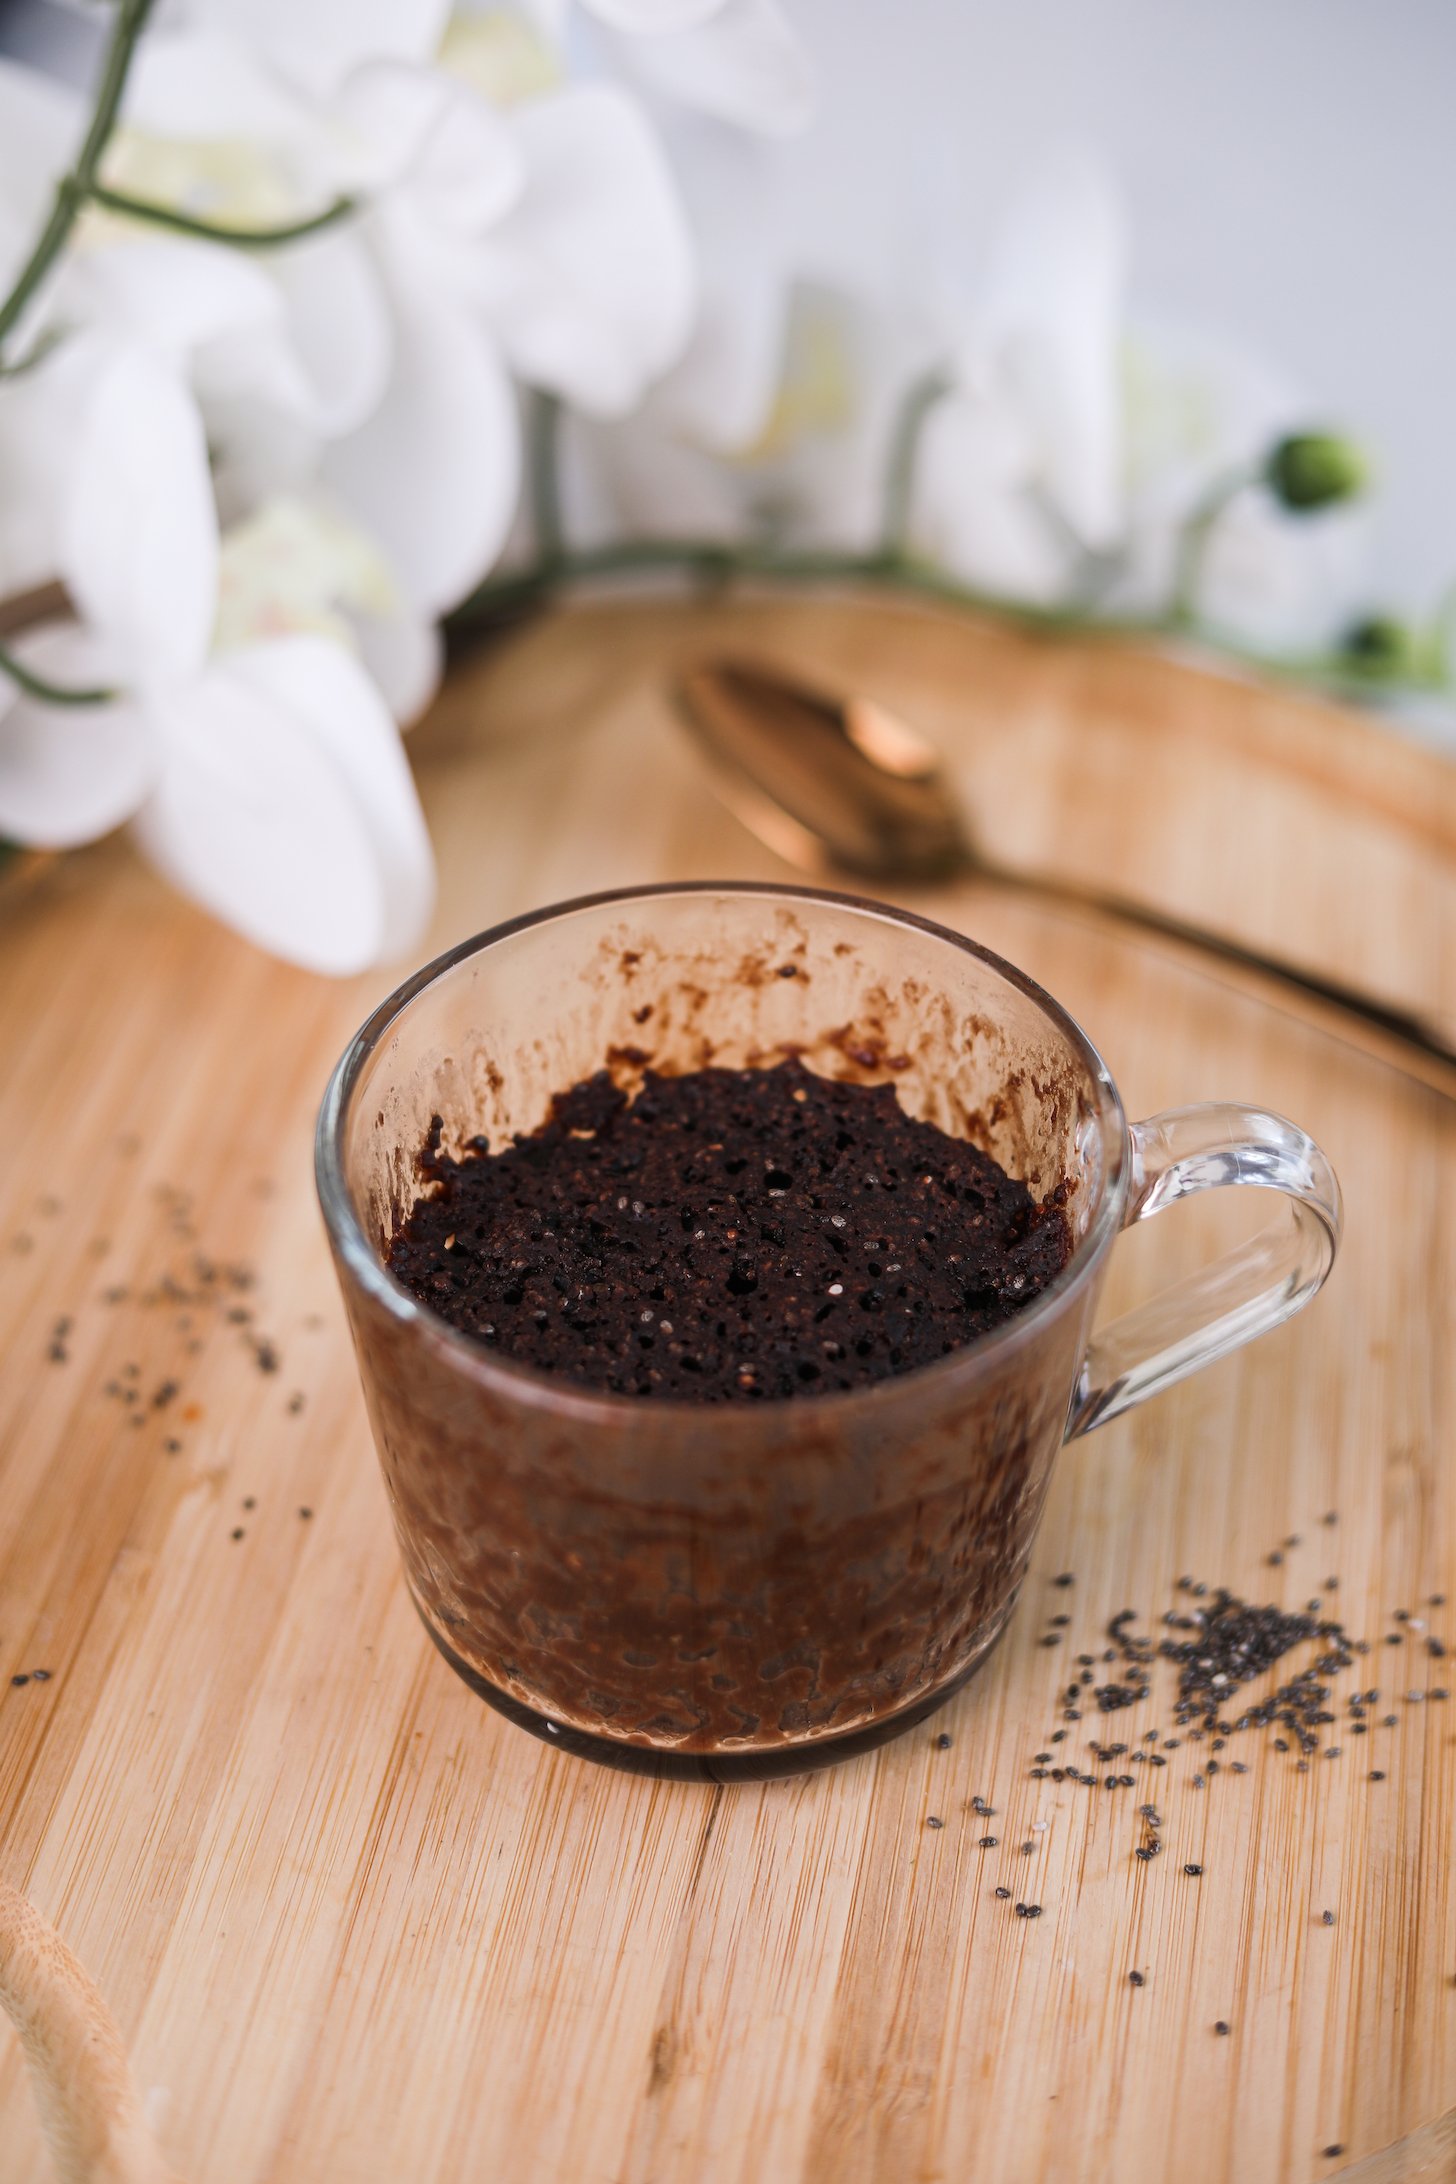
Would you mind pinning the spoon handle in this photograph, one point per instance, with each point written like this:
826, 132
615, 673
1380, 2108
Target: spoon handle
1419, 1045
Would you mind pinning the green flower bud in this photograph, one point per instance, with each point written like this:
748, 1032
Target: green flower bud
1310, 470
1379, 646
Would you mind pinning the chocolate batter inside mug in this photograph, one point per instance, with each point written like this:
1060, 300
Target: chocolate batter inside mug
748, 1589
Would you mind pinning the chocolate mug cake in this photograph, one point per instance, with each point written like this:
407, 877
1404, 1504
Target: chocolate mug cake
721, 1263
726, 1235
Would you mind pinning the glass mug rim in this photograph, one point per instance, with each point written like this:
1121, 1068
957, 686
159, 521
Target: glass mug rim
525, 1384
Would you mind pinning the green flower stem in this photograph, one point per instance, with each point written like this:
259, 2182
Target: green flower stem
1193, 543
36, 354
74, 188
543, 427
920, 400
1438, 641
215, 231
714, 561
505, 597
37, 686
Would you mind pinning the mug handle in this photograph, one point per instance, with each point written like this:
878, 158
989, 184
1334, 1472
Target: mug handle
1243, 1294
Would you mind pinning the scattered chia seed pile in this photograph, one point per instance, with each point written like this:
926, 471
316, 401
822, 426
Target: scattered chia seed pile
195, 1296
1217, 1649
1216, 1645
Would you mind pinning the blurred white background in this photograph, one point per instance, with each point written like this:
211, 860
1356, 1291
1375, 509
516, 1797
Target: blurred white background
1289, 168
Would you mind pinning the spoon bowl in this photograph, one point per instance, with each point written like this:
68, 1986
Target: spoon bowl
829, 786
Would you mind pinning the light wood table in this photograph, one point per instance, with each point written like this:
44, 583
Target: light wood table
353, 1926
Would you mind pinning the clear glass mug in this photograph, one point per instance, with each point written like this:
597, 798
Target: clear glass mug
748, 1589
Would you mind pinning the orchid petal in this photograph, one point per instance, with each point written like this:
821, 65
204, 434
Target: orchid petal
260, 449
1196, 410
589, 283
139, 528
405, 655
1196, 407
820, 460
437, 136
743, 65
201, 82
648, 18
306, 334
319, 44
434, 473
69, 773
38, 412
973, 513
626, 476
504, 58
546, 18
286, 807
338, 325
171, 294
1050, 330
1278, 582
721, 391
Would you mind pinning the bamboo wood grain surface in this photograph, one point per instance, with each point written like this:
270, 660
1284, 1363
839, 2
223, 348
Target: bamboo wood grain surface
353, 1926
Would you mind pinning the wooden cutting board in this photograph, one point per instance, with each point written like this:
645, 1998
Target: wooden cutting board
352, 1925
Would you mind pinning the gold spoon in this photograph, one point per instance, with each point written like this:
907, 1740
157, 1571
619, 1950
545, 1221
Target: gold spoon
845, 785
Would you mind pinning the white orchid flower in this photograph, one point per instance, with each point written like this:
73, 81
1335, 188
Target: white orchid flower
564, 259
108, 473
246, 724
543, 241
107, 488
269, 783
738, 60
1020, 463
297, 566
1197, 412
775, 427
1068, 454
316, 46
266, 779
284, 804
